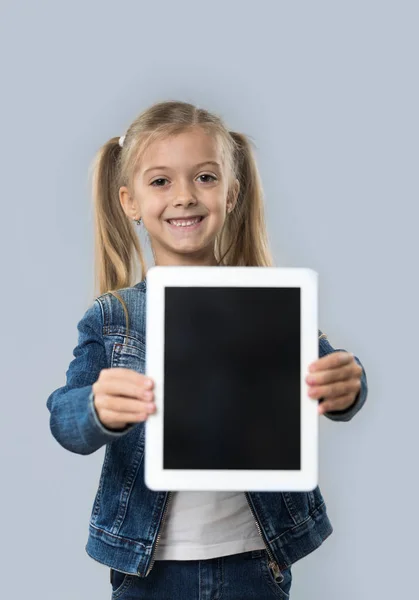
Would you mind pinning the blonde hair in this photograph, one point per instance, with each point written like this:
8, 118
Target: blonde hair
243, 240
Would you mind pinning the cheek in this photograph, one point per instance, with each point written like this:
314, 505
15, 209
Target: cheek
218, 204
152, 207
217, 219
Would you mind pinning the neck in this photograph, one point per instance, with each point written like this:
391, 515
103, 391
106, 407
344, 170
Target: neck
203, 259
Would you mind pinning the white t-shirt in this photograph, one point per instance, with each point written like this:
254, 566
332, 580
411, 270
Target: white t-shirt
201, 525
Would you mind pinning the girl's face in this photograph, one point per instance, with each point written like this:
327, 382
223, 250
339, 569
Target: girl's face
181, 194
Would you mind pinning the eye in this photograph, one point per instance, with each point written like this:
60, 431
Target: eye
158, 180
212, 178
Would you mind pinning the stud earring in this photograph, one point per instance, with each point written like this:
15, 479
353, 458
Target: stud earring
138, 221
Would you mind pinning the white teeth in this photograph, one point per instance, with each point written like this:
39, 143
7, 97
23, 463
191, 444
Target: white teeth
183, 223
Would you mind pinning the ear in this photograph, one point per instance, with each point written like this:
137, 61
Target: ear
233, 196
128, 204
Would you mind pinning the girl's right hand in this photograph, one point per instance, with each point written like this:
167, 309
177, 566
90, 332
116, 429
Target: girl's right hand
122, 396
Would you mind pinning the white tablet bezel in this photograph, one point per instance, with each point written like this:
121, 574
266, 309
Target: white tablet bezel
157, 478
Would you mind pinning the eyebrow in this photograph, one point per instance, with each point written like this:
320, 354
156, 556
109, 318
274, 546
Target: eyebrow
202, 164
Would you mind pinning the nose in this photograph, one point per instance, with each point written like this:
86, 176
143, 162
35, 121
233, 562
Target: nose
184, 195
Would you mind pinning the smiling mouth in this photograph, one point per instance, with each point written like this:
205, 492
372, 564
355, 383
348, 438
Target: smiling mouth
185, 222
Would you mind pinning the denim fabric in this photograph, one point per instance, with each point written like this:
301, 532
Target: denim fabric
126, 516
244, 576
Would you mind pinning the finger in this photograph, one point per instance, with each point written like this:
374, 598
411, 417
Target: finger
113, 387
322, 377
130, 375
116, 417
340, 403
124, 405
331, 361
335, 389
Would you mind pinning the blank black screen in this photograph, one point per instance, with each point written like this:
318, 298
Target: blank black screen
232, 378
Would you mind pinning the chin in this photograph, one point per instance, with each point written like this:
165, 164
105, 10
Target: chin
192, 247
189, 249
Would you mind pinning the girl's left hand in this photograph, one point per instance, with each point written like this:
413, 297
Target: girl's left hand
335, 377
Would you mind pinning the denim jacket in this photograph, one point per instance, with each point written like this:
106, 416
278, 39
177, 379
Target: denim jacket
127, 516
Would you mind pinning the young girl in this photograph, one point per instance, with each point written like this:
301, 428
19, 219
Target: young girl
194, 186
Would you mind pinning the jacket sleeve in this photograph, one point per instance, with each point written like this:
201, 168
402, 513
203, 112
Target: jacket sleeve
74, 422
344, 415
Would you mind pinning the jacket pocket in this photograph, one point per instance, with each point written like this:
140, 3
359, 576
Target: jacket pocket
301, 504
128, 356
316, 499
298, 505
96, 504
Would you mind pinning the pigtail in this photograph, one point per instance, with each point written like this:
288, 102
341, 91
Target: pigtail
116, 241
244, 240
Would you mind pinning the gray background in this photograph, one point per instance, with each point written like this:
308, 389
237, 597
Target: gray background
329, 92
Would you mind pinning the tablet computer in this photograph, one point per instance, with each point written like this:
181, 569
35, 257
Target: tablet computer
228, 349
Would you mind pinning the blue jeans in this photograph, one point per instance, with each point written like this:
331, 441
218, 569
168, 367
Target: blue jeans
244, 576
